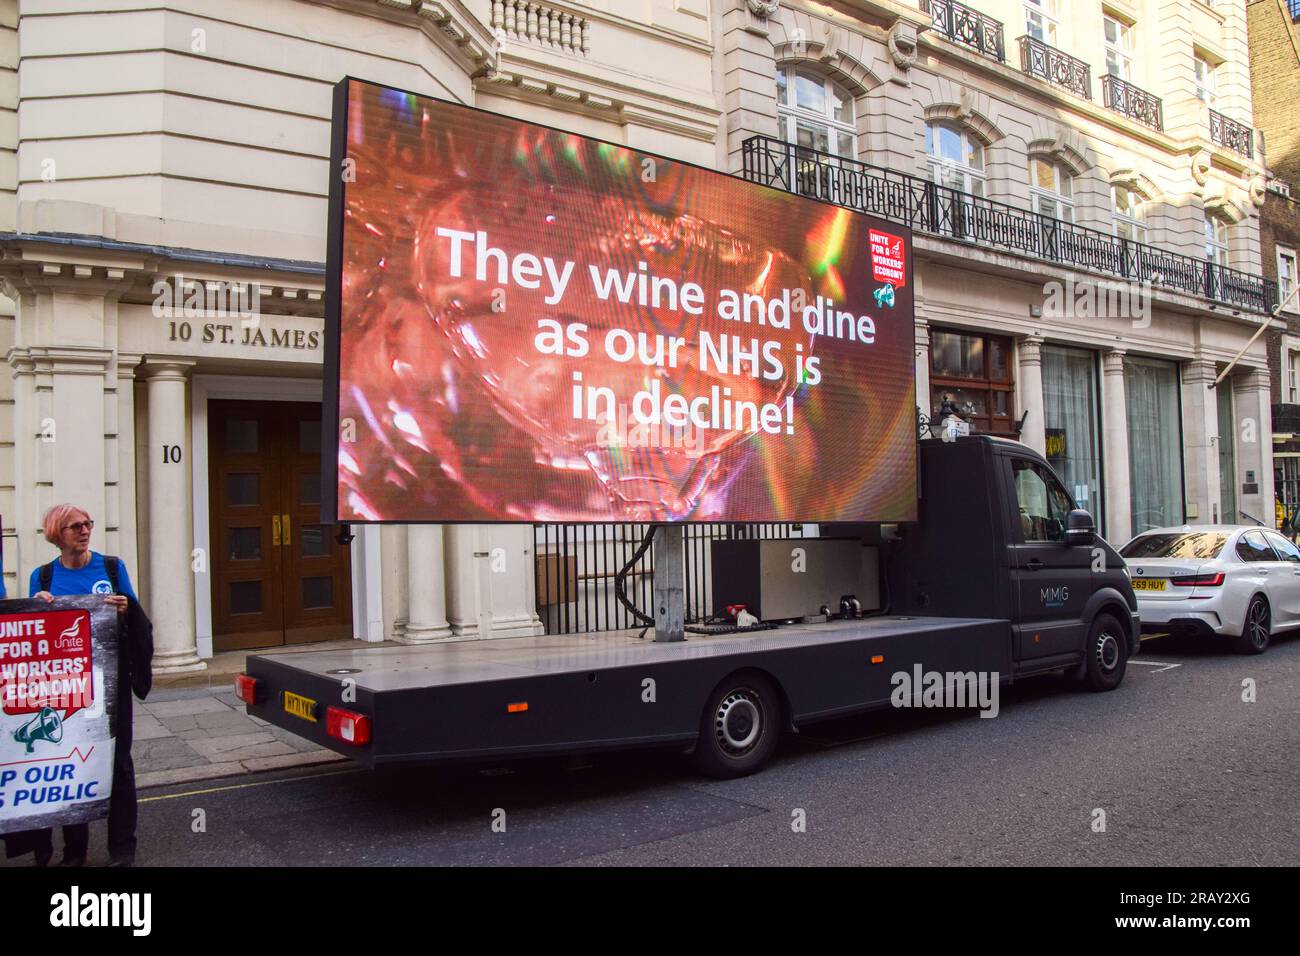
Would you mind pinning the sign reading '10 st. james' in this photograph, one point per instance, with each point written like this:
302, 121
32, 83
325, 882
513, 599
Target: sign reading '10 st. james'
529, 325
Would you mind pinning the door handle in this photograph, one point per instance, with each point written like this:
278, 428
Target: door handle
285, 536
275, 530
1034, 564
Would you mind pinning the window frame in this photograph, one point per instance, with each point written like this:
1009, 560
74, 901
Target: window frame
1207, 86
1136, 221
1064, 201
970, 175
1122, 48
1050, 13
990, 423
1218, 248
1283, 291
789, 113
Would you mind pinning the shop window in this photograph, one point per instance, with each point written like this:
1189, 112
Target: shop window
1071, 423
973, 372
1153, 409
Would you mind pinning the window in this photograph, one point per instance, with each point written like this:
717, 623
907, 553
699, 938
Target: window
1286, 277
1206, 90
1252, 546
1216, 239
1042, 18
1182, 545
1118, 37
1284, 548
815, 113
972, 371
1072, 424
1051, 187
956, 158
1153, 410
1043, 505
1130, 214
1293, 378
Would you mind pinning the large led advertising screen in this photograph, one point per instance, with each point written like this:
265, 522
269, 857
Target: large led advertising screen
528, 325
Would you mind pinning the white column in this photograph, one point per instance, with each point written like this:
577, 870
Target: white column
1114, 430
923, 366
1255, 431
1029, 392
1200, 453
467, 612
426, 585
513, 586
171, 587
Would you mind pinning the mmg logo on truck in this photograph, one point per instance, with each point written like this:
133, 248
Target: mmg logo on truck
922, 688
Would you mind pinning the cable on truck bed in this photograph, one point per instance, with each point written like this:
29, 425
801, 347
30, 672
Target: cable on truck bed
620, 580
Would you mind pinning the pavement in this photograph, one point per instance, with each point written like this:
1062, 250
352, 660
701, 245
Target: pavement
193, 727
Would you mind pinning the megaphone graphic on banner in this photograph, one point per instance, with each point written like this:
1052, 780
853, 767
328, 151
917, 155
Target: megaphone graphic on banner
44, 726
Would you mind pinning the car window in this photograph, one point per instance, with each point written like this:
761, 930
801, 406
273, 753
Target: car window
1251, 546
1182, 544
1041, 502
1284, 548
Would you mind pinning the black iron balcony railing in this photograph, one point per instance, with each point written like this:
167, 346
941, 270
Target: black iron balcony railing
1055, 66
971, 28
1132, 101
1231, 134
953, 214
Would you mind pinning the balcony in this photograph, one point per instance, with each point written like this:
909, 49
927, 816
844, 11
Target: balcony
952, 214
966, 26
1055, 66
1132, 101
1230, 134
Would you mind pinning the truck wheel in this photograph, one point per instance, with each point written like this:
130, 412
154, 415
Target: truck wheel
1106, 654
739, 728
1255, 635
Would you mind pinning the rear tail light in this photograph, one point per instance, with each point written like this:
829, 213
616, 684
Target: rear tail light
347, 726
1197, 580
246, 688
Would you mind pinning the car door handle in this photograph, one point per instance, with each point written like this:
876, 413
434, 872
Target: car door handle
1034, 564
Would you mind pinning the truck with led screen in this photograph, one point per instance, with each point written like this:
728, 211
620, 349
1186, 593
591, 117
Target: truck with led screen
529, 325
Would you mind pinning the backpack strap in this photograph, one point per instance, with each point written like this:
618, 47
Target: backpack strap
111, 565
47, 576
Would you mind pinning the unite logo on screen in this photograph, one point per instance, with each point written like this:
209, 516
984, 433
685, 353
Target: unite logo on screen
887, 259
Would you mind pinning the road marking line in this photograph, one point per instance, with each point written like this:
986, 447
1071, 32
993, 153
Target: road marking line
244, 786
1160, 664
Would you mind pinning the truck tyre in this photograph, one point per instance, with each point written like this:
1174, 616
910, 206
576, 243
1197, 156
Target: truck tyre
1105, 654
1255, 634
740, 726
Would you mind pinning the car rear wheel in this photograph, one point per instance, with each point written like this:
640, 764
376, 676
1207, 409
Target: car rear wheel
740, 726
1255, 634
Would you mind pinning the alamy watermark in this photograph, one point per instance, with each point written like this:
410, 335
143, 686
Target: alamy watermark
1102, 299
922, 688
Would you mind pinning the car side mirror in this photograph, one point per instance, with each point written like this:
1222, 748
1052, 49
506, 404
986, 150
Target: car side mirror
1080, 528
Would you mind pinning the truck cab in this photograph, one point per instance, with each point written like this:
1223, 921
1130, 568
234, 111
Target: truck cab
998, 536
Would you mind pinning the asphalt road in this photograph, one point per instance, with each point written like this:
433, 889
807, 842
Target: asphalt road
1185, 771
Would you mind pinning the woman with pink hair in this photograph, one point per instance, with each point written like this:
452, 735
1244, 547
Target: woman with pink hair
78, 570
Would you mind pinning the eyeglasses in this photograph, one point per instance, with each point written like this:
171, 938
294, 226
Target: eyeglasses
87, 524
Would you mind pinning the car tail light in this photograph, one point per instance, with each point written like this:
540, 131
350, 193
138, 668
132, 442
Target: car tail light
1197, 580
347, 726
246, 688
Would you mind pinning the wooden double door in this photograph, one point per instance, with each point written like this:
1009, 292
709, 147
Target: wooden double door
278, 575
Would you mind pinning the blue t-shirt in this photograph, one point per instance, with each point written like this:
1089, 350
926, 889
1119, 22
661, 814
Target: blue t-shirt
92, 579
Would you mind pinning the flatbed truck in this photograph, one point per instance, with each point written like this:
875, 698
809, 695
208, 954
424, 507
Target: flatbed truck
1002, 576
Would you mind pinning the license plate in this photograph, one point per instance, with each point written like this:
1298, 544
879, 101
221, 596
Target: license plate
1149, 584
300, 706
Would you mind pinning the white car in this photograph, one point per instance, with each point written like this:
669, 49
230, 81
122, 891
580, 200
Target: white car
1232, 581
